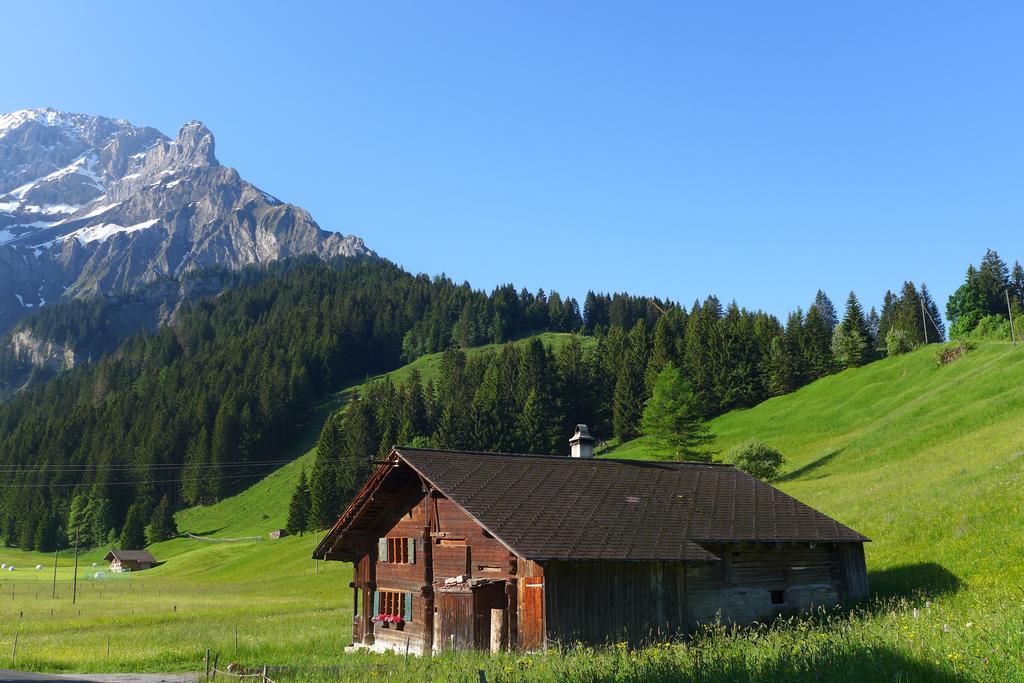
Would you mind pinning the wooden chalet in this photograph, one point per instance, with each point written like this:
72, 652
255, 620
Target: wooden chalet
129, 560
485, 550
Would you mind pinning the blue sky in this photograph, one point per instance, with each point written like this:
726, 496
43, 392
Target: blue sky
755, 150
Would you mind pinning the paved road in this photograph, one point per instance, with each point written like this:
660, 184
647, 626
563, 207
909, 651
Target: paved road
22, 676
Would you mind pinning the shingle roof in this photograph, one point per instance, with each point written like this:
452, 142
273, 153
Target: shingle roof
130, 555
555, 507
548, 507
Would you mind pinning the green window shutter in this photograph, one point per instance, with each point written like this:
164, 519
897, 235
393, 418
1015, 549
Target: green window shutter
407, 612
376, 603
411, 544
382, 550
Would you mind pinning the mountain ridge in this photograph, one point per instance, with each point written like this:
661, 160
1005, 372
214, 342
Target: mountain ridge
91, 205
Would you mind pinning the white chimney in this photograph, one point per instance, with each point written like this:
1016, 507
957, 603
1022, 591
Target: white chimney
581, 445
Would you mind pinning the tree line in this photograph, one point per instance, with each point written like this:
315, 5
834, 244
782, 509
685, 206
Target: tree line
526, 397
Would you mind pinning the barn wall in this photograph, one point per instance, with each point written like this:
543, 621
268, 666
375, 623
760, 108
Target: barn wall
853, 570
739, 590
607, 602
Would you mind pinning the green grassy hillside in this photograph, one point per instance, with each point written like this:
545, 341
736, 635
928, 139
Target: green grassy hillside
926, 460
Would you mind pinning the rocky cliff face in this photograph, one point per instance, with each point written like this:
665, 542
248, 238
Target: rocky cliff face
90, 205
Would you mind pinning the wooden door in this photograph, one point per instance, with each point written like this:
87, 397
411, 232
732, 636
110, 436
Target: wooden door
455, 612
531, 614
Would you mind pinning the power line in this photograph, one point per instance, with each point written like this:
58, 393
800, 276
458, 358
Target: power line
127, 483
123, 468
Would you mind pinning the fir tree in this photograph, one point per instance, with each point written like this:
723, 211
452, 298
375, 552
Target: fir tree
324, 499
629, 396
1017, 282
538, 425
886, 319
817, 344
908, 318
672, 418
874, 323
133, 535
827, 310
298, 508
781, 374
162, 527
932, 319
575, 369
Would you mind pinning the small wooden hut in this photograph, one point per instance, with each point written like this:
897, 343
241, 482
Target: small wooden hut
129, 560
450, 546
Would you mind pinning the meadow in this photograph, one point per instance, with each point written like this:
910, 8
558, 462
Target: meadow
924, 459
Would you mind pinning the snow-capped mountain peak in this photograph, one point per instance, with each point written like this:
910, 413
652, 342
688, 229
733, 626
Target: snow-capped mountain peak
90, 204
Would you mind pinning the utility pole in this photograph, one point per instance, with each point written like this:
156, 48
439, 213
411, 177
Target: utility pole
924, 321
1009, 311
54, 593
74, 581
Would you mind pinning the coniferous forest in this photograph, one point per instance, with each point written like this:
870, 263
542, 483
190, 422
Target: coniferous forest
202, 408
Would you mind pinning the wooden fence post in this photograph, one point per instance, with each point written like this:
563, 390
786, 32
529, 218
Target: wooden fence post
206, 663
216, 658
14, 655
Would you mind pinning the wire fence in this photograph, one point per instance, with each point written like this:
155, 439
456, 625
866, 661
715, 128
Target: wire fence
241, 539
212, 669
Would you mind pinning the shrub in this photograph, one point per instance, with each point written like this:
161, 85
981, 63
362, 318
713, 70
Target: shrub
757, 459
991, 327
897, 341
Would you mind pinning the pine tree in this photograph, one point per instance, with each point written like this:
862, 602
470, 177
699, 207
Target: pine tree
1017, 282
324, 499
99, 520
197, 461
817, 348
672, 418
908, 319
298, 507
223, 447
886, 319
874, 322
932, 319
993, 280
827, 310
358, 444
133, 535
850, 338
629, 396
78, 520
162, 527
577, 399
538, 425
48, 534
781, 374
667, 333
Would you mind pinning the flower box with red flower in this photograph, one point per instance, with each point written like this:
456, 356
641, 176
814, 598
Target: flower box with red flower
389, 620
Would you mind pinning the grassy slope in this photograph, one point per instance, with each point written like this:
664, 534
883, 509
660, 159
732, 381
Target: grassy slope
287, 609
924, 459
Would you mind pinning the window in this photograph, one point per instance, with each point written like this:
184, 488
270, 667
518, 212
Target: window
393, 604
397, 550
778, 597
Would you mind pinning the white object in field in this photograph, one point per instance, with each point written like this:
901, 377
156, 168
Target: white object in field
11, 568
3, 566
94, 564
38, 567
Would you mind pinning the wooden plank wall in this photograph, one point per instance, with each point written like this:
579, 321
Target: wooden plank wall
598, 603
853, 570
